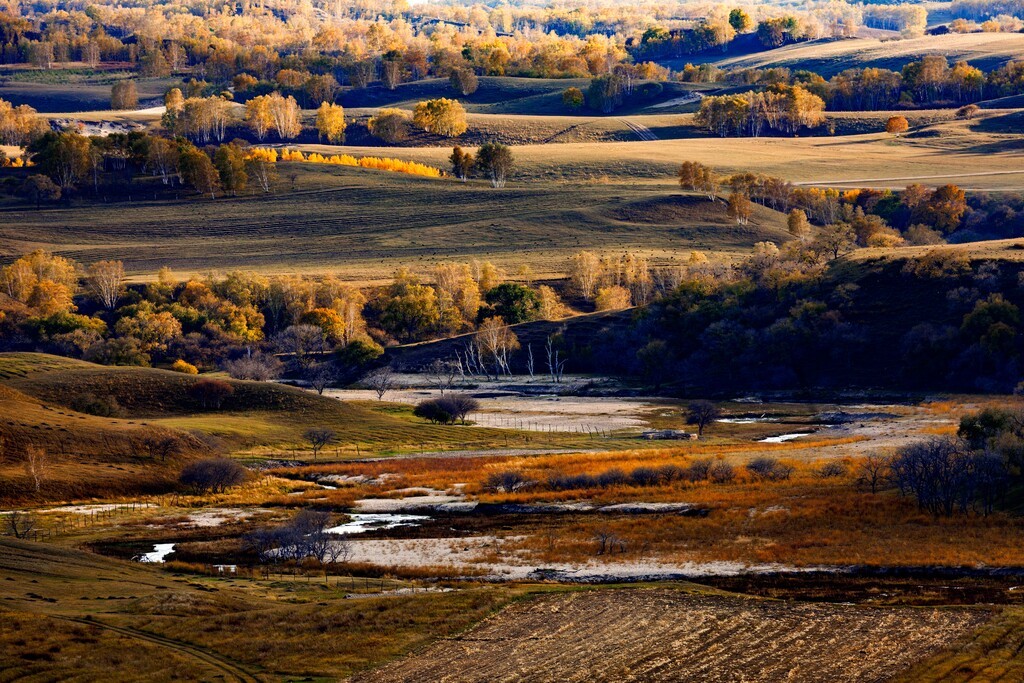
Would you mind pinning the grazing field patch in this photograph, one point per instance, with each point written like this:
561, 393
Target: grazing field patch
664, 635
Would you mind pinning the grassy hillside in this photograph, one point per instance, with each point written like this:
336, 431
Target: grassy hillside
69, 614
986, 51
367, 223
89, 455
73, 87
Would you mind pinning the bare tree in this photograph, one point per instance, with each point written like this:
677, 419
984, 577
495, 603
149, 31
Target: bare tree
556, 364
212, 474
442, 373
20, 524
36, 464
256, 366
304, 342
496, 342
529, 360
702, 413
318, 437
321, 375
381, 380
106, 282
160, 445
873, 472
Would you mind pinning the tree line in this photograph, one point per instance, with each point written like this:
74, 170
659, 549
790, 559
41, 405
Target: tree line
929, 82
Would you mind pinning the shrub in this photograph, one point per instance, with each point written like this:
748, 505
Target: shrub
212, 474
259, 367
700, 469
832, 469
464, 81
447, 409
645, 476
721, 473
390, 125
508, 481
91, 404
184, 367
211, 393
433, 410
572, 98
613, 477
769, 469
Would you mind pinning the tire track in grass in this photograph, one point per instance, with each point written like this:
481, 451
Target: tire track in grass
232, 670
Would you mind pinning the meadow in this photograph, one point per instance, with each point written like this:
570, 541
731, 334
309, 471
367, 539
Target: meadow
548, 539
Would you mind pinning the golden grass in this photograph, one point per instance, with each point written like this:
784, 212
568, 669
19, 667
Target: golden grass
995, 652
806, 520
280, 628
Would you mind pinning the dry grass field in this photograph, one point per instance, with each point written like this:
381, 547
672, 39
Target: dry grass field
664, 635
614, 196
366, 224
984, 50
68, 614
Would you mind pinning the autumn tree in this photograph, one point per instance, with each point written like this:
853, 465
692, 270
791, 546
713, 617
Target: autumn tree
462, 163
572, 99
696, 177
330, 123
285, 113
321, 88
835, 239
464, 81
945, 208
231, 168
441, 116
409, 310
585, 271
39, 188
66, 157
391, 69
897, 125
740, 20
494, 161
496, 342
739, 207
612, 298
797, 224
199, 172
124, 95
174, 100
20, 125
262, 171
105, 280
389, 125
162, 157
257, 116
458, 293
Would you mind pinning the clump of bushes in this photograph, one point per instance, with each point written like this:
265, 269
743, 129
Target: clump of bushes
184, 367
259, 367
212, 474
769, 469
101, 406
508, 481
446, 409
211, 393
831, 470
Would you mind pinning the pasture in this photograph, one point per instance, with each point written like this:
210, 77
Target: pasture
828, 57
